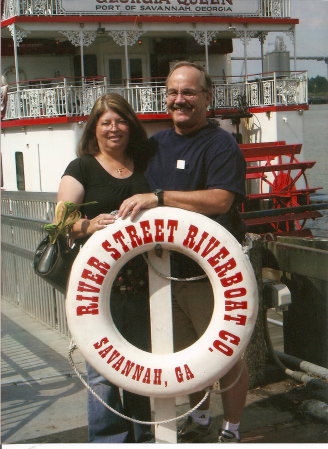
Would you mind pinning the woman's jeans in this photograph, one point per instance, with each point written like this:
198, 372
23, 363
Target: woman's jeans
130, 313
107, 427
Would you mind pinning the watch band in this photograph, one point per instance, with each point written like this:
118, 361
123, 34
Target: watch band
160, 195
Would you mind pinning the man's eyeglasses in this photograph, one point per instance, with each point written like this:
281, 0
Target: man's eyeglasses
185, 93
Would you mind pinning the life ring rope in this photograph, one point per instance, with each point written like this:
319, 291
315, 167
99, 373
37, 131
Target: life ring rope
72, 348
171, 278
246, 247
170, 374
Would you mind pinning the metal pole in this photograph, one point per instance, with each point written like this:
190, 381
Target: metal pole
16, 70
262, 37
127, 66
15, 56
206, 51
295, 56
262, 56
82, 55
245, 53
162, 338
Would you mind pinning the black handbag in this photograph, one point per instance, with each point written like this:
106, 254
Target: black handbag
53, 261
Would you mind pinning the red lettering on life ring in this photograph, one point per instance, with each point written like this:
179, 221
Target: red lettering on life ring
227, 335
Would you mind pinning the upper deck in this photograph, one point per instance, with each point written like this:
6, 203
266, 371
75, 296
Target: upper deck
72, 99
59, 55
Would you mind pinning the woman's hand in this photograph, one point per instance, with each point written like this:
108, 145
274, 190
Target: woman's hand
85, 227
100, 222
133, 205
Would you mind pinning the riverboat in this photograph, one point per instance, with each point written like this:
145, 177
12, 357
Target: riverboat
58, 56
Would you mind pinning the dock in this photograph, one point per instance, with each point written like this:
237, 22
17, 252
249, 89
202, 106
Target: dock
44, 402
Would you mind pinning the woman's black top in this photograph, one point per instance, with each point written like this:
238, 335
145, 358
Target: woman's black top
100, 186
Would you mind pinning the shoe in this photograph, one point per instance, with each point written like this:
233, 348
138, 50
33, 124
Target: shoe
192, 432
226, 436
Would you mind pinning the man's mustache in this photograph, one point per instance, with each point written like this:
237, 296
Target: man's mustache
180, 106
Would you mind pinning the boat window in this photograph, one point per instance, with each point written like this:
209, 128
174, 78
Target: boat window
90, 65
136, 70
115, 71
20, 175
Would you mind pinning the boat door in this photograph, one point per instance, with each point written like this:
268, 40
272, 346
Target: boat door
117, 69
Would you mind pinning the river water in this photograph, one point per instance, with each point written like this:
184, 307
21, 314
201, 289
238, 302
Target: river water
315, 148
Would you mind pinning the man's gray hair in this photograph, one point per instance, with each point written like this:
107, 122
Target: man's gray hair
207, 82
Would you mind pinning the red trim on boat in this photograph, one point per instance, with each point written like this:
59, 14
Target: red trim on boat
144, 117
140, 19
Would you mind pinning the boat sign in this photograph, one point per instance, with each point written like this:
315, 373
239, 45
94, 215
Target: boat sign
162, 7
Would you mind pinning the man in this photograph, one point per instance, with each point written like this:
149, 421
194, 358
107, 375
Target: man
197, 166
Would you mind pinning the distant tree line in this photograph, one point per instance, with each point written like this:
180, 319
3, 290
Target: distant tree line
318, 85
318, 90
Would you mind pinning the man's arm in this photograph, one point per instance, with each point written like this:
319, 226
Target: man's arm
207, 202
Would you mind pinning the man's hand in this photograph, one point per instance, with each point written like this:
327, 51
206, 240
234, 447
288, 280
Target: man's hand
133, 205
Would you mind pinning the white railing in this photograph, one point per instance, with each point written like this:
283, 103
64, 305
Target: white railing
23, 215
75, 97
275, 8
12, 8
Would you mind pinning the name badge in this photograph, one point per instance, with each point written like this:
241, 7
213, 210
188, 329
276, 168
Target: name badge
181, 164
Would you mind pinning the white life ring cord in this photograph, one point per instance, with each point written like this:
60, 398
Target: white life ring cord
171, 278
247, 245
219, 349
72, 348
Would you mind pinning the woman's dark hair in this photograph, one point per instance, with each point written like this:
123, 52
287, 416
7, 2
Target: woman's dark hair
113, 102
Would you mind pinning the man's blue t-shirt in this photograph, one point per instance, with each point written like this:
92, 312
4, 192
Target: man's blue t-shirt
207, 159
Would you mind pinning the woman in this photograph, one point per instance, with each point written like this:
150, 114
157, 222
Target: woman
109, 167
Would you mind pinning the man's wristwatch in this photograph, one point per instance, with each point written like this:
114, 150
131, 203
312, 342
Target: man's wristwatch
160, 195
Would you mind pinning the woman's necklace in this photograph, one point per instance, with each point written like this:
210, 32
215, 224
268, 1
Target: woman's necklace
109, 166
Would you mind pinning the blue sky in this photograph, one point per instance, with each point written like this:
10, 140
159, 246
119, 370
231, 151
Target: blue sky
311, 38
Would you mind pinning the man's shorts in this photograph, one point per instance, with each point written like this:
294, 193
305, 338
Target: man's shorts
192, 306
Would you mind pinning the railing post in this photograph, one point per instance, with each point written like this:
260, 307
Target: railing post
274, 89
306, 88
247, 95
66, 97
18, 10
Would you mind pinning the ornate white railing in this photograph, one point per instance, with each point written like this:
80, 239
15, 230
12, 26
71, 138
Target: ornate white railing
72, 97
12, 8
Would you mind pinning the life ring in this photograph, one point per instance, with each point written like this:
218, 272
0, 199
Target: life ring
213, 354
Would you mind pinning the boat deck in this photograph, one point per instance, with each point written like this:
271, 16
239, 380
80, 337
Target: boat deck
44, 402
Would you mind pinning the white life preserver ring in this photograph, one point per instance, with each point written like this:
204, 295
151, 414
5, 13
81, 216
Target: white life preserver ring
213, 354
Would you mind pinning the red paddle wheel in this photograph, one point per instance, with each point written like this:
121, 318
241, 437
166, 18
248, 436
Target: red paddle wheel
278, 198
